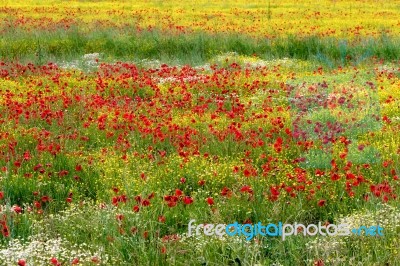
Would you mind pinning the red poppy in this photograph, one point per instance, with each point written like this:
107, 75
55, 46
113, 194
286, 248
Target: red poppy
5, 231
145, 202
226, 192
138, 199
210, 201
119, 217
278, 144
45, 199
321, 203
78, 168
187, 200
133, 230
143, 176
163, 250
95, 260
17, 209
167, 198
246, 189
171, 204
63, 173
319, 263
178, 192
54, 261
161, 219
246, 172
114, 201
27, 156
335, 176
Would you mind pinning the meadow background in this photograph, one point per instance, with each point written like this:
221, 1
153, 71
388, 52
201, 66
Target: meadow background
120, 121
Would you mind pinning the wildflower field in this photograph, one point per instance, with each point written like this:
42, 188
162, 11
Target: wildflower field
121, 121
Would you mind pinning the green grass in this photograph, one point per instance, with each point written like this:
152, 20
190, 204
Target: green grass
193, 48
90, 222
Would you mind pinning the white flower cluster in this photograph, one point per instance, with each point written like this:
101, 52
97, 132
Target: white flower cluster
39, 249
332, 247
199, 242
88, 62
388, 68
148, 63
386, 216
172, 79
91, 57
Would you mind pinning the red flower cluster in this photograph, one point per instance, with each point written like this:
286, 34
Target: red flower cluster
172, 200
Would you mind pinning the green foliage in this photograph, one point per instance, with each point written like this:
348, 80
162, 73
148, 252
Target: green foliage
195, 47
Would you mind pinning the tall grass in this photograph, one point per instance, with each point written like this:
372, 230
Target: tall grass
189, 48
